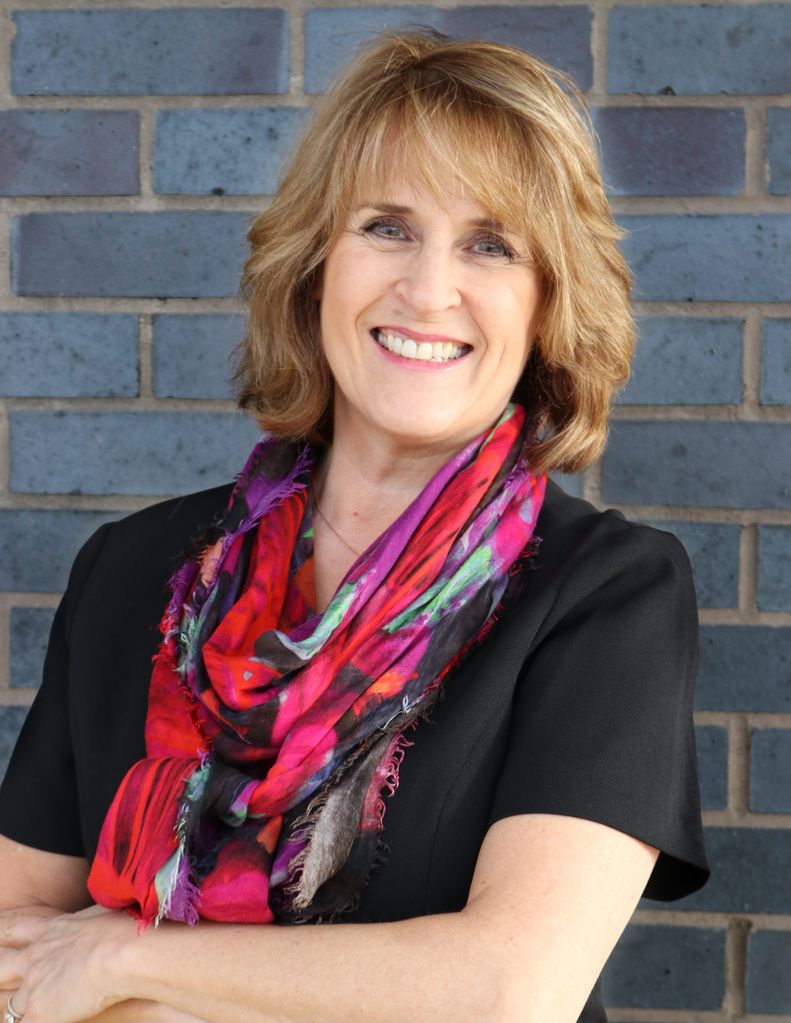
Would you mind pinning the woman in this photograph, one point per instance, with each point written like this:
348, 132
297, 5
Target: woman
437, 304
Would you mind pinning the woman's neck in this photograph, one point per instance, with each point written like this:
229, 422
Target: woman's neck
362, 488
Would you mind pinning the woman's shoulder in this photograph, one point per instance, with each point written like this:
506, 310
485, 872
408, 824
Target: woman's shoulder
144, 547
571, 528
176, 519
583, 550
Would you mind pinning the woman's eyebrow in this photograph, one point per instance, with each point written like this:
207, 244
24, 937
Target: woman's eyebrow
388, 207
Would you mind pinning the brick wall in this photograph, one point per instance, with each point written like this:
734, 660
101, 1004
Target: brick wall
134, 144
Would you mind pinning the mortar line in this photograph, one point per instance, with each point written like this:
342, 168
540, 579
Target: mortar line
598, 45
736, 968
145, 356
5, 648
754, 149
146, 131
751, 364
738, 765
6, 37
748, 568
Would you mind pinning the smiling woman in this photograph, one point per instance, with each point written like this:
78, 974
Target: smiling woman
392, 595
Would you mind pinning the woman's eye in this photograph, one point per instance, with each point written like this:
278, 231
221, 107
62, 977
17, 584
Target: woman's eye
495, 247
377, 227
383, 229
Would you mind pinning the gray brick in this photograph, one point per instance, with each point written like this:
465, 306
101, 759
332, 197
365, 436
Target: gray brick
747, 865
136, 52
157, 453
40, 544
70, 355
30, 628
657, 967
158, 255
700, 49
768, 975
192, 355
68, 152
713, 549
231, 151
744, 668
570, 482
686, 361
560, 36
778, 149
776, 363
712, 745
770, 770
713, 257
11, 720
774, 568
682, 463
672, 151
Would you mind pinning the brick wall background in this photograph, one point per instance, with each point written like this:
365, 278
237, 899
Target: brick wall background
135, 142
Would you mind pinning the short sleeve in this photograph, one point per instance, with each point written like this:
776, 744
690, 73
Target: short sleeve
602, 723
39, 804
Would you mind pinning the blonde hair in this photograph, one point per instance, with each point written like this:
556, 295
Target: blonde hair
516, 135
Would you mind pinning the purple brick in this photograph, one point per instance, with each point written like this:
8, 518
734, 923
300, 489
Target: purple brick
30, 629
231, 151
712, 747
137, 52
746, 867
744, 668
701, 49
158, 255
770, 770
192, 355
774, 568
711, 257
158, 453
686, 361
657, 967
69, 355
776, 363
713, 549
40, 544
778, 149
11, 720
682, 463
558, 35
68, 152
768, 975
671, 151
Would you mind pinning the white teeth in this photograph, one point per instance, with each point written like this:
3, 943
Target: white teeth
425, 351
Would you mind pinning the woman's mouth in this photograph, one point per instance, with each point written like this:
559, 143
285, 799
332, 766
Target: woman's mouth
420, 351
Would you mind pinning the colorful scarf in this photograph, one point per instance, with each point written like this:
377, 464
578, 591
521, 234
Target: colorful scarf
260, 799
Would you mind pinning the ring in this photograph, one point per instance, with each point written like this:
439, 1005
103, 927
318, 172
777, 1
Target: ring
11, 1014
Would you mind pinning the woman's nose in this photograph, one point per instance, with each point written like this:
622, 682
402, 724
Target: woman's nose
429, 281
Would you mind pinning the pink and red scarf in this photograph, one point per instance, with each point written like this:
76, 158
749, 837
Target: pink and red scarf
269, 750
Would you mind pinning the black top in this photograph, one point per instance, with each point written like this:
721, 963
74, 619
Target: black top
578, 702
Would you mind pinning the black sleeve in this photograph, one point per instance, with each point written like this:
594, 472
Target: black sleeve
602, 723
39, 804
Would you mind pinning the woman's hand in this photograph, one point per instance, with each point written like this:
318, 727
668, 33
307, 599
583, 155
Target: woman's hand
135, 1010
59, 968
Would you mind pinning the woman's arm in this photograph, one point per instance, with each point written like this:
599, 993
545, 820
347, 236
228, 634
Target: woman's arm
44, 881
45, 884
549, 899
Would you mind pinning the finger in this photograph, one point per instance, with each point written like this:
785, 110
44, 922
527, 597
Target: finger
12, 969
19, 929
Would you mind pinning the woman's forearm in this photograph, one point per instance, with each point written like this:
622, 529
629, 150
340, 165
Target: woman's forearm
440, 966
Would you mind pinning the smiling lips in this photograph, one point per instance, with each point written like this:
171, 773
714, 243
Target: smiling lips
421, 351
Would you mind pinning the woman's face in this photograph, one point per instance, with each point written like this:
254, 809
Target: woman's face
428, 314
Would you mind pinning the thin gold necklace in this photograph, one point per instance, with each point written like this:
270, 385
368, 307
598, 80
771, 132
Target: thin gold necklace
334, 530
